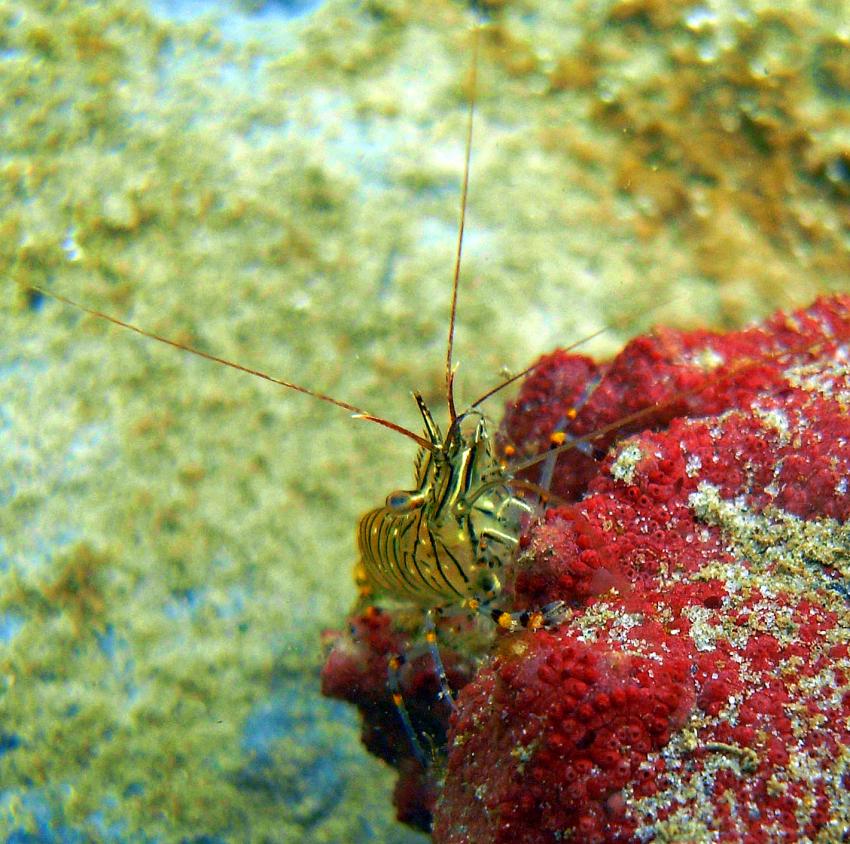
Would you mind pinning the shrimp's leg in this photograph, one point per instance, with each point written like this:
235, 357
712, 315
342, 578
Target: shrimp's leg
561, 436
394, 665
430, 630
393, 669
547, 617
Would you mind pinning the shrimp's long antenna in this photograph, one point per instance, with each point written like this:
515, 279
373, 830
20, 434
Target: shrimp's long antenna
450, 375
357, 413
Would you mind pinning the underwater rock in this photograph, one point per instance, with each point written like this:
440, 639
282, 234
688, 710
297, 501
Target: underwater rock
700, 689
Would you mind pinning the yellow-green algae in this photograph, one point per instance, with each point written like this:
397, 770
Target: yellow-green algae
175, 536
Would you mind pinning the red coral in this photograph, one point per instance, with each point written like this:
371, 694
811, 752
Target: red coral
669, 375
550, 733
704, 667
567, 560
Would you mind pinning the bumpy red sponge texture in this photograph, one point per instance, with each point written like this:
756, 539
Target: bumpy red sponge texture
553, 729
700, 689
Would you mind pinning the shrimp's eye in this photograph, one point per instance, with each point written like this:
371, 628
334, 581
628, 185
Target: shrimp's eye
401, 500
488, 582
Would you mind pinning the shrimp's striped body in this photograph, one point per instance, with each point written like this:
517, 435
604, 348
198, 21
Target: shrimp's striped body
447, 540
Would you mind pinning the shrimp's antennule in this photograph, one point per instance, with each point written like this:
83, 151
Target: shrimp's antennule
450, 375
357, 413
